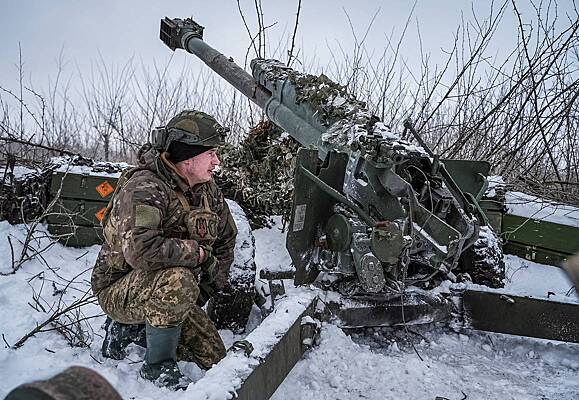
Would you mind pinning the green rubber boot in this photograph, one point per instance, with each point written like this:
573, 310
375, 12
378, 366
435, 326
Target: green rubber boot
160, 366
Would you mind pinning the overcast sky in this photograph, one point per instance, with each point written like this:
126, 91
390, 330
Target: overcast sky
121, 29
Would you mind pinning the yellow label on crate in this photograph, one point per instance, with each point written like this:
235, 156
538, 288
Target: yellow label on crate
100, 214
104, 189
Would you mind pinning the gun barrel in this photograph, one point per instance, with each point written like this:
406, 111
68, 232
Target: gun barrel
277, 99
229, 70
188, 35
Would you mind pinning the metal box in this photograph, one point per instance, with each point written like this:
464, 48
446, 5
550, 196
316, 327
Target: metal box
82, 200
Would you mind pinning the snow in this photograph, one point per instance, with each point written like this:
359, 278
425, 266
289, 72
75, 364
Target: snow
93, 168
270, 251
525, 205
533, 207
480, 365
496, 182
527, 278
244, 248
454, 365
19, 171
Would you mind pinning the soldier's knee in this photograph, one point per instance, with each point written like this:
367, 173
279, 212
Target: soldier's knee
214, 353
180, 284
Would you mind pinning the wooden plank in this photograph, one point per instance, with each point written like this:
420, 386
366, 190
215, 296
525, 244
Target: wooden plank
277, 347
544, 234
522, 316
269, 374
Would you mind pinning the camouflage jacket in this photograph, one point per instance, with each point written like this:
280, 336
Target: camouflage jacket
145, 225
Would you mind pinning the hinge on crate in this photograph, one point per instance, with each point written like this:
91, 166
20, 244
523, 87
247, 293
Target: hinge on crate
310, 331
275, 282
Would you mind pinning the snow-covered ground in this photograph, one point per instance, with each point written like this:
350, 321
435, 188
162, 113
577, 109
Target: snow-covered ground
453, 366
477, 365
533, 207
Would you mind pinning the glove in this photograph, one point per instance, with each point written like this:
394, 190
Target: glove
209, 267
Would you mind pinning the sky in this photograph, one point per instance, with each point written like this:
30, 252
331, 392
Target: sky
85, 31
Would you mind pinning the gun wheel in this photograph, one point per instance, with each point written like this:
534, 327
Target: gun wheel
483, 261
232, 306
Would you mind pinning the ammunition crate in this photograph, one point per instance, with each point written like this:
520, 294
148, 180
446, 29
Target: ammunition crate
77, 211
540, 241
77, 236
535, 240
81, 201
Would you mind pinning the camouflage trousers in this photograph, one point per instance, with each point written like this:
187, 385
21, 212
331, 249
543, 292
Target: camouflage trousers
166, 298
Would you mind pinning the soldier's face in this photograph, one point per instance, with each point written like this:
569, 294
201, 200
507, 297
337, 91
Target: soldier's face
199, 169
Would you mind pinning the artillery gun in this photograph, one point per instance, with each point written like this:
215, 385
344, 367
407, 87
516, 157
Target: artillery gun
370, 209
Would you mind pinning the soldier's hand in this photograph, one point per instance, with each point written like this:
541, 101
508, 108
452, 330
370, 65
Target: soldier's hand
210, 268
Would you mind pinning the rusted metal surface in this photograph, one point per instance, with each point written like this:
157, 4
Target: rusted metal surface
522, 316
74, 383
414, 308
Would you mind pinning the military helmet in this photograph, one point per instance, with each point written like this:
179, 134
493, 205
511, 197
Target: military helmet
191, 127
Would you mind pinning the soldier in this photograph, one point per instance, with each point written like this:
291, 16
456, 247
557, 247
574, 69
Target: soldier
169, 240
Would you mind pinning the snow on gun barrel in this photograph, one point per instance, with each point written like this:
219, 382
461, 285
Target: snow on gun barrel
370, 209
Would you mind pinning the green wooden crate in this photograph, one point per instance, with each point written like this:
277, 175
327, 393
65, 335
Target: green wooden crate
75, 218
542, 234
79, 186
77, 212
78, 236
535, 254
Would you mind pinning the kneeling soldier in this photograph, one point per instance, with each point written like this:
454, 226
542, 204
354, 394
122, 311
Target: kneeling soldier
169, 240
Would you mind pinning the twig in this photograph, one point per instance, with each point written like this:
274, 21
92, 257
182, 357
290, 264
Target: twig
5, 341
291, 50
51, 319
41, 146
91, 356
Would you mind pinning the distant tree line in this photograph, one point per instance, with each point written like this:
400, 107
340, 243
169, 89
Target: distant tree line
519, 111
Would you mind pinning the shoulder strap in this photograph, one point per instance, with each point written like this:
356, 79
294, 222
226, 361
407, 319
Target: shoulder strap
122, 181
182, 200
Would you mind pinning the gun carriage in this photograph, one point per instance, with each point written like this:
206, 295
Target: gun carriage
370, 210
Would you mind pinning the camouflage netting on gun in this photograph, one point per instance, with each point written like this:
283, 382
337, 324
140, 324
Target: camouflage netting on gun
344, 118
258, 173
